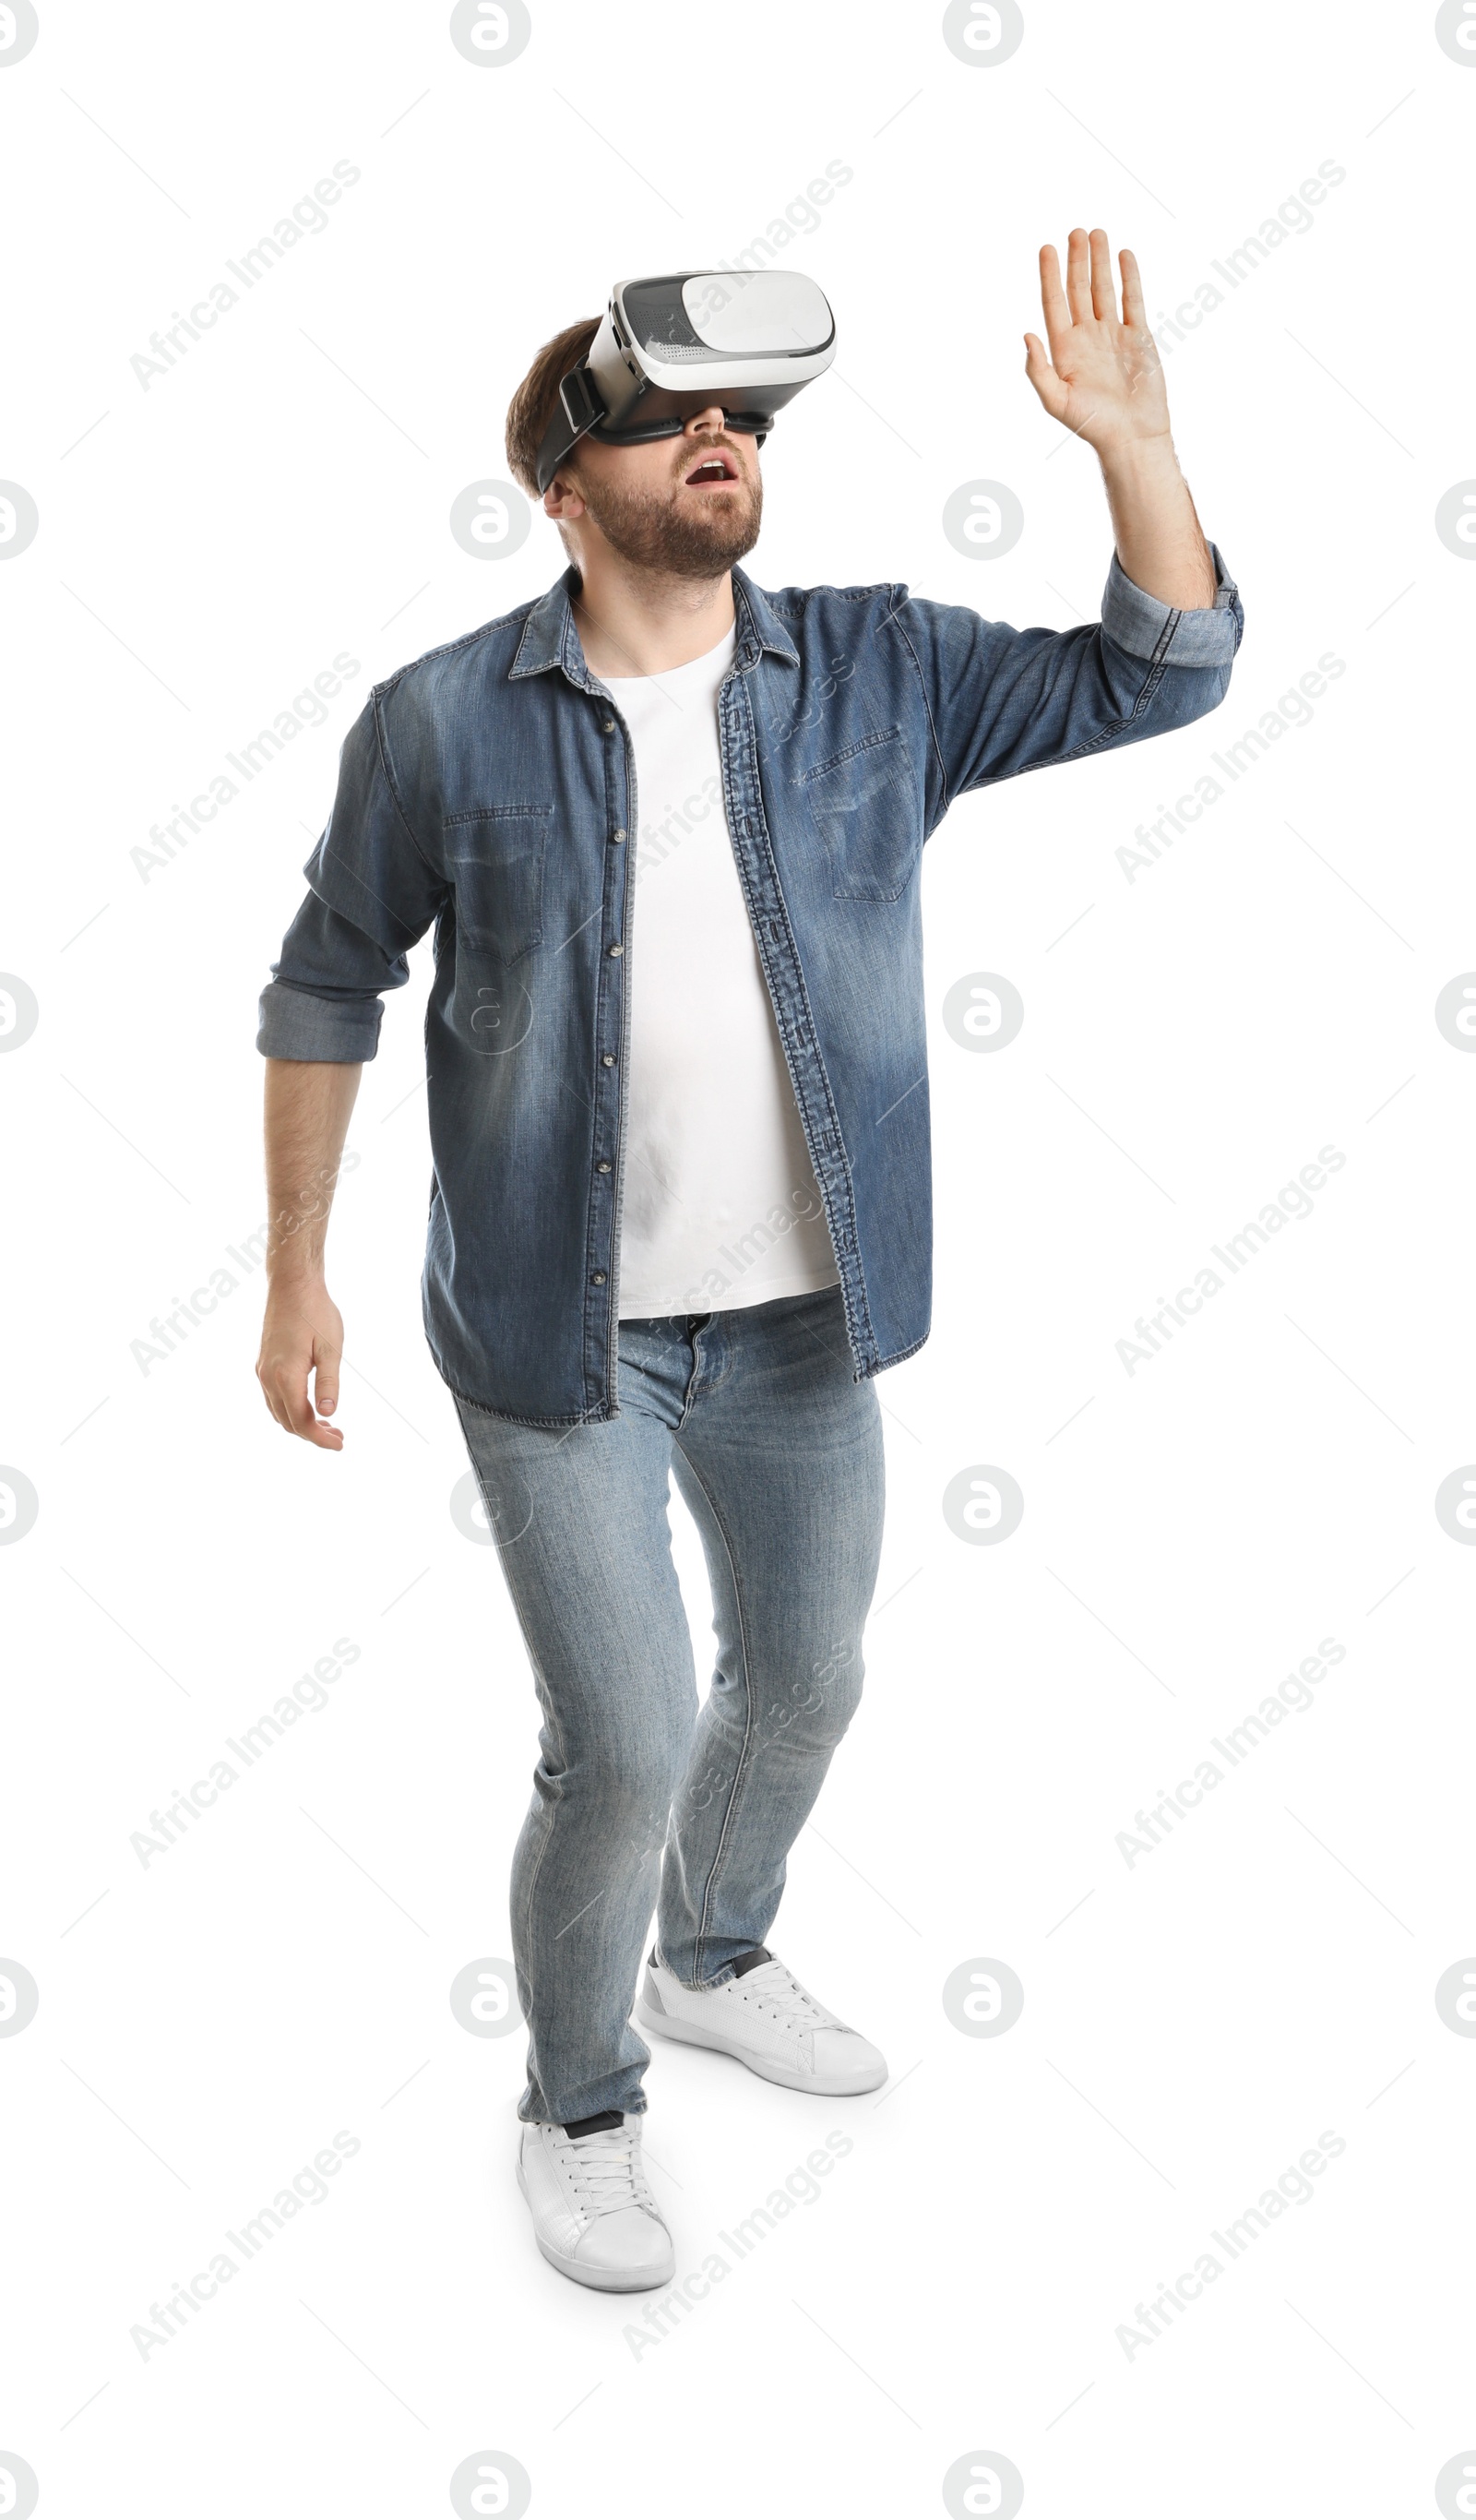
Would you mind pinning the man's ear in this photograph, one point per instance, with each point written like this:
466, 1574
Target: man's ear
561, 500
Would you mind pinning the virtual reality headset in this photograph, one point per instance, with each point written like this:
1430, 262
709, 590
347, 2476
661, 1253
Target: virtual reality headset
667, 347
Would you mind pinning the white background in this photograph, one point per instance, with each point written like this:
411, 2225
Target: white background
1192, 2022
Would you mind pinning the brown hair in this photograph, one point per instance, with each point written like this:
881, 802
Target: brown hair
532, 406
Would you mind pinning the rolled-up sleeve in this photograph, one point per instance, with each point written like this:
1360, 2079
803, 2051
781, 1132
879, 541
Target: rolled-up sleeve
374, 891
1004, 700
1146, 627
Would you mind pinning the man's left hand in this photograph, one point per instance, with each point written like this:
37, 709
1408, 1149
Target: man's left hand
1103, 379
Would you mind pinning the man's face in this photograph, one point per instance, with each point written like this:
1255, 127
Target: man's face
688, 505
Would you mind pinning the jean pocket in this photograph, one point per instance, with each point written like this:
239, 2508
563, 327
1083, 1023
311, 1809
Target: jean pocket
864, 806
494, 859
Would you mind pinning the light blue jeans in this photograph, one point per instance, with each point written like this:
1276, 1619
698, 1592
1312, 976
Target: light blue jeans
776, 1452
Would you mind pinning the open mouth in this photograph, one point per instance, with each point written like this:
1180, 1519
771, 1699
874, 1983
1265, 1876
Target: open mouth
712, 472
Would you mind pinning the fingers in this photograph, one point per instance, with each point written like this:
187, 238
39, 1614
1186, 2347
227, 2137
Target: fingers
1103, 294
1090, 293
283, 1387
1047, 385
327, 1361
1078, 276
266, 1375
1134, 311
327, 1438
295, 1412
1054, 304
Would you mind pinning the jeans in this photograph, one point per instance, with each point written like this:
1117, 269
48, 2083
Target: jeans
776, 1452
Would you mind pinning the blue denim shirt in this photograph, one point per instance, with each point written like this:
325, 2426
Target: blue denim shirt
489, 787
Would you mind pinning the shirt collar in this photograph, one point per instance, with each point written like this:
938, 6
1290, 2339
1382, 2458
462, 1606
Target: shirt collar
551, 635
762, 624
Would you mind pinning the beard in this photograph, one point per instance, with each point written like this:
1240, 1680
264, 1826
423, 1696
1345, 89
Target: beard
697, 541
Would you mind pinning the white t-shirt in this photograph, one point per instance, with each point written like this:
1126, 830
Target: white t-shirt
721, 1208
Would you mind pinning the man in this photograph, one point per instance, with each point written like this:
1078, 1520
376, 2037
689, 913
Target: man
679, 1222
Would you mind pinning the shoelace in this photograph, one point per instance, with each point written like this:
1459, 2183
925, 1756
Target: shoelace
604, 2169
776, 1990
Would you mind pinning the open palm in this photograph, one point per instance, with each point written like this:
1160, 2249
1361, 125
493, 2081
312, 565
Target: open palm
1103, 379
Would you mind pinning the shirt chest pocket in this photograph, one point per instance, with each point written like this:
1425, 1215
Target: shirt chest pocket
863, 806
495, 857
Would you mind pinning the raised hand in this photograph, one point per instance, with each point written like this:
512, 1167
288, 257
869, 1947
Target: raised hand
1103, 379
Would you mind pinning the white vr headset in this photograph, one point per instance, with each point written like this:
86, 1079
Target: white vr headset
746, 341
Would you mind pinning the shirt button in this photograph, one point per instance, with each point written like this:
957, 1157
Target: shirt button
601, 1168
617, 835
608, 1060
599, 1278
617, 949
606, 726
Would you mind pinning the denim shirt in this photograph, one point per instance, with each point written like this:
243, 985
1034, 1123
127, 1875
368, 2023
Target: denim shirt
490, 788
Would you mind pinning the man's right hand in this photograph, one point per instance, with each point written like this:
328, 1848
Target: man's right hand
302, 1335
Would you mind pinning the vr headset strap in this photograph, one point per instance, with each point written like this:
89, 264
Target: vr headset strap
581, 412
581, 405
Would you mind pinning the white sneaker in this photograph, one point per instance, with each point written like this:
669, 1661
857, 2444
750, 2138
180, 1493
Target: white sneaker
763, 2016
594, 2217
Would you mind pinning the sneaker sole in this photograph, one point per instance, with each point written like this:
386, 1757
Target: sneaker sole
831, 2087
597, 2278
